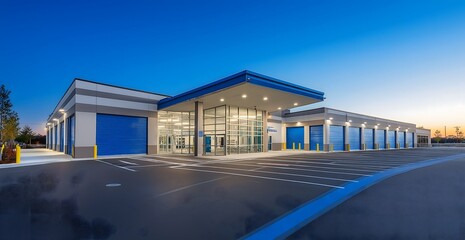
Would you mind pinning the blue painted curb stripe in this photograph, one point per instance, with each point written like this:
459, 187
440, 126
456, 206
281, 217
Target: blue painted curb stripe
301, 216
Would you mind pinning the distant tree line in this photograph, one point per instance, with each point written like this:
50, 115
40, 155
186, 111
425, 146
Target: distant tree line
458, 137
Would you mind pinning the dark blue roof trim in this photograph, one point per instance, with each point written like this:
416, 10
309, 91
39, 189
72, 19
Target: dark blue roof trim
238, 78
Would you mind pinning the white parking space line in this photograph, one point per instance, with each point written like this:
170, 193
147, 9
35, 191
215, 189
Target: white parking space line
132, 170
319, 167
190, 186
160, 161
280, 173
151, 165
130, 163
371, 161
332, 164
366, 162
174, 158
261, 177
285, 166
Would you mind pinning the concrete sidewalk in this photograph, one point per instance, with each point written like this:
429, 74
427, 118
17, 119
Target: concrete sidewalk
38, 156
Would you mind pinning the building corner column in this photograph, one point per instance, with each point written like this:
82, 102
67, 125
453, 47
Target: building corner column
306, 138
326, 137
198, 127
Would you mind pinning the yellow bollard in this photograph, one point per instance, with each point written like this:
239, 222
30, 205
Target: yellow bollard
95, 151
72, 151
3, 146
18, 154
299, 147
293, 146
284, 146
317, 147
348, 147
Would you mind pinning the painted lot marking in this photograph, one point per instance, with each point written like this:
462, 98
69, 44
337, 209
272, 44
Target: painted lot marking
152, 165
160, 161
279, 173
374, 167
113, 185
289, 223
288, 167
125, 168
189, 186
129, 163
318, 167
262, 177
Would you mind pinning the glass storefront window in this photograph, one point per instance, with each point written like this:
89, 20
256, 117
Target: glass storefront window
227, 130
176, 132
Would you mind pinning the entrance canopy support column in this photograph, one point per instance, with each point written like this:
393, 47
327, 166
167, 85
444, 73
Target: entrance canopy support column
198, 135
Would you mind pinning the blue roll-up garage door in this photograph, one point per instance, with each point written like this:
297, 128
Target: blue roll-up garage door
354, 138
336, 137
392, 139
409, 140
121, 134
368, 135
401, 139
71, 126
380, 137
295, 135
316, 137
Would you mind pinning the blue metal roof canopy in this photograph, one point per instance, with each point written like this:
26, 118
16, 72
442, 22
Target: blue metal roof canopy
244, 77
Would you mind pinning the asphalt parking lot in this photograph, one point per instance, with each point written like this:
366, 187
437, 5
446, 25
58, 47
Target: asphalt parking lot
173, 197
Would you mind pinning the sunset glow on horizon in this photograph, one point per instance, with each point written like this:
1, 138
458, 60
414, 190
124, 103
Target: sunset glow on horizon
390, 59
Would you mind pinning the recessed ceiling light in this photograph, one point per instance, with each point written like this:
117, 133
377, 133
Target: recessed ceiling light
330, 118
364, 122
222, 100
61, 110
265, 98
279, 108
295, 104
244, 96
350, 120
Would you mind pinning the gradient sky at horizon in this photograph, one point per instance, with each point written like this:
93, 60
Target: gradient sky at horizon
402, 60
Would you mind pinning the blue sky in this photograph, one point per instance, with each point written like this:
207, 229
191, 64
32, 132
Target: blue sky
402, 60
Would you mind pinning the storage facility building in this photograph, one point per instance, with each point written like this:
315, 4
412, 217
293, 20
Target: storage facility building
243, 113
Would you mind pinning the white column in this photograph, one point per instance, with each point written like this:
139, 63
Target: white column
306, 145
199, 133
152, 135
283, 136
326, 136
85, 140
